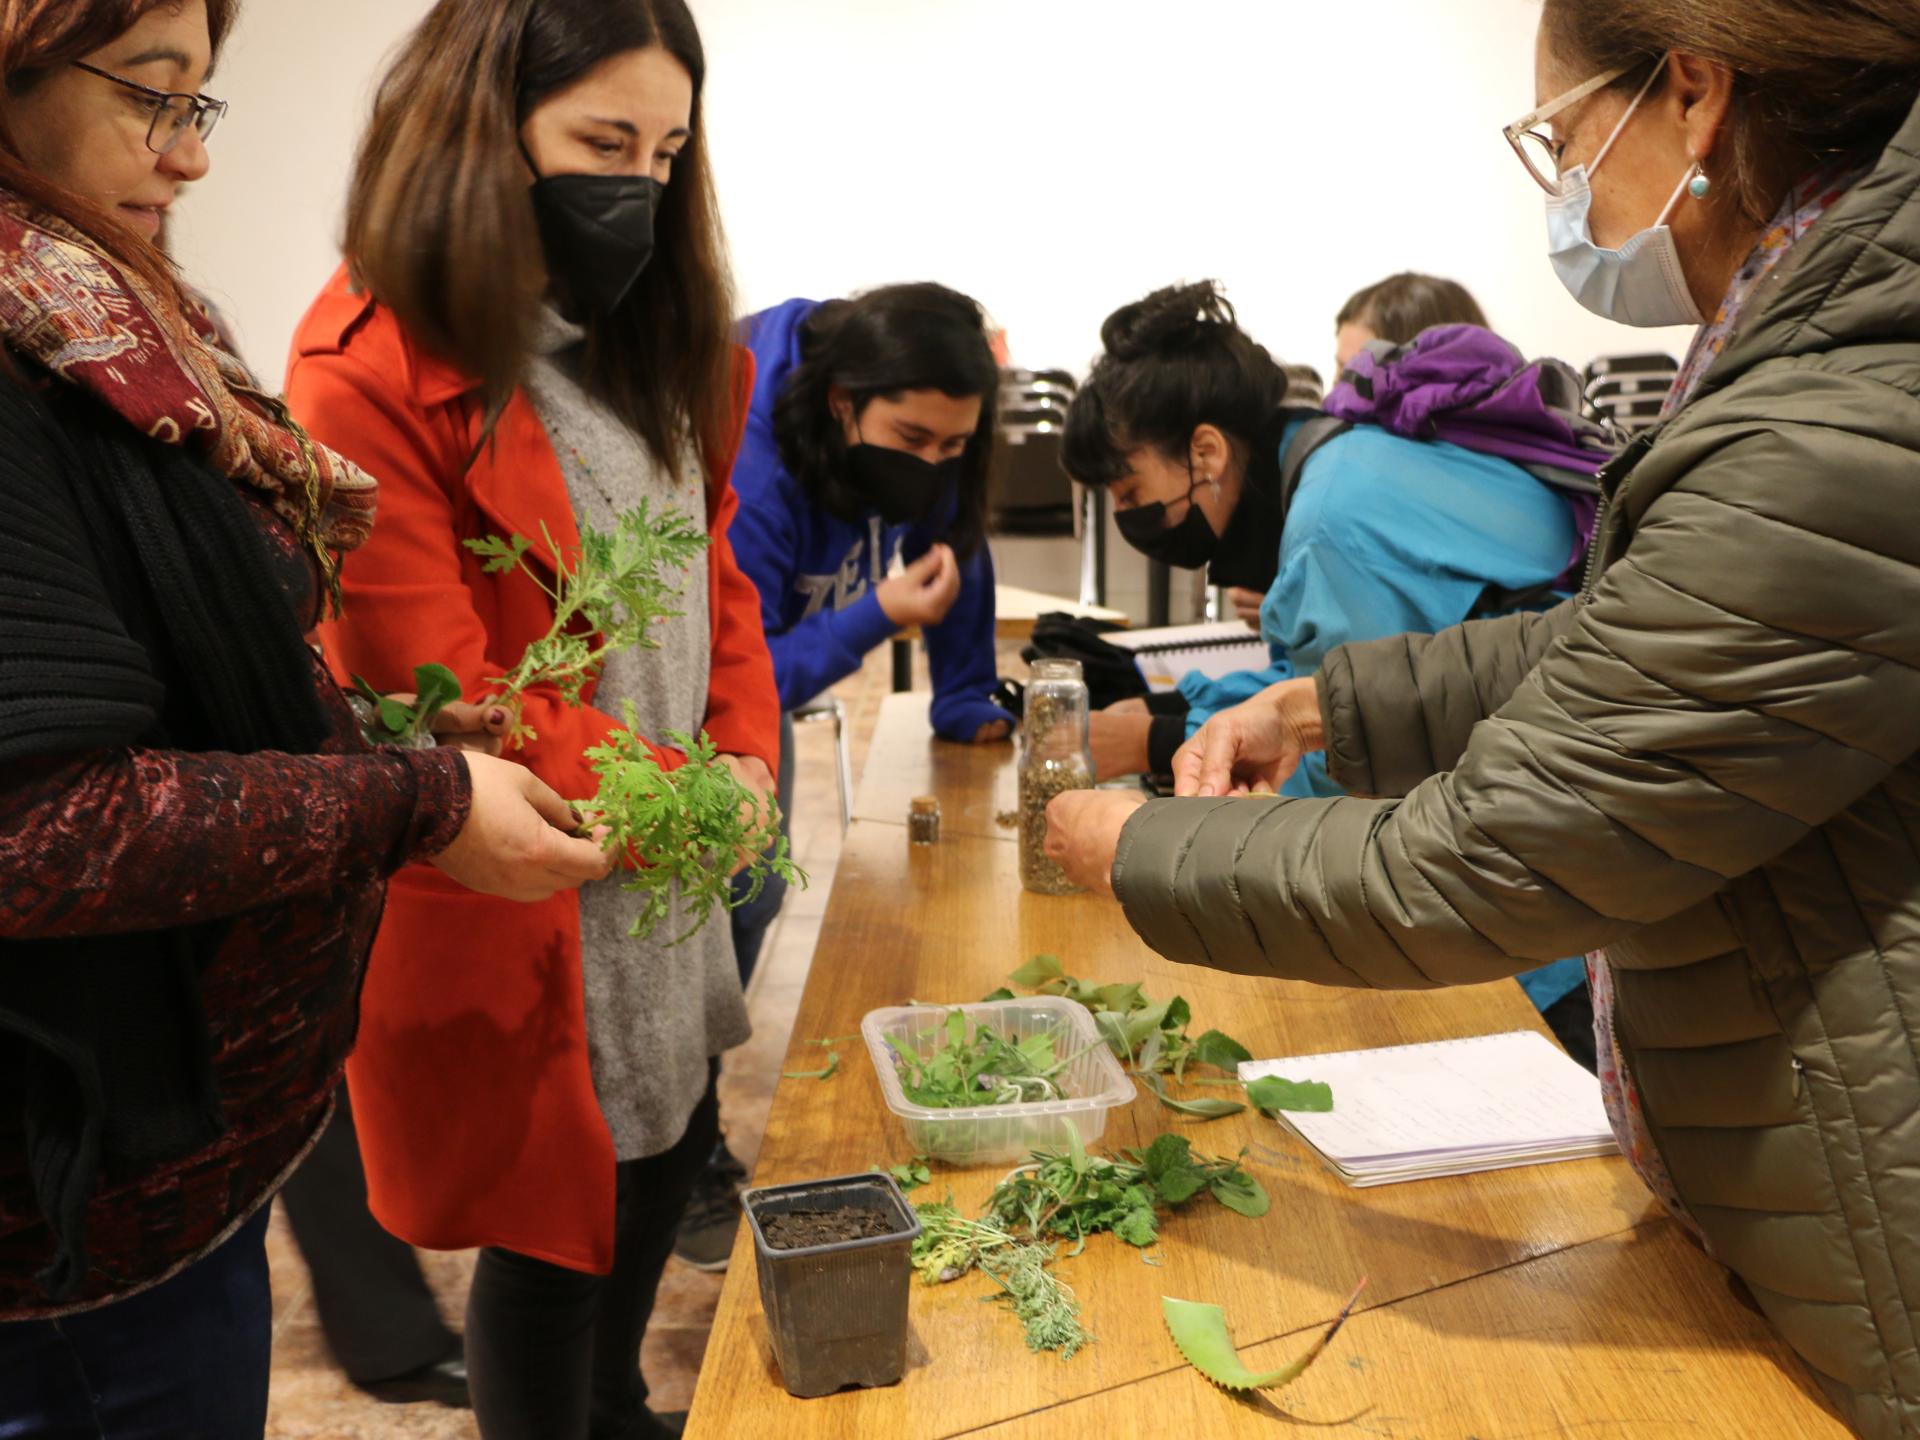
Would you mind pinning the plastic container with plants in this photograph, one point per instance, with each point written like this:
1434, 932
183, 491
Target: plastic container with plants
686, 827
997, 1079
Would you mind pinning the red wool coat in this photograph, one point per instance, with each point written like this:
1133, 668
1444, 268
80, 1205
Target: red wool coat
471, 1088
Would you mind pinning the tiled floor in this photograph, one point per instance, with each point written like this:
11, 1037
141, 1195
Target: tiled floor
313, 1401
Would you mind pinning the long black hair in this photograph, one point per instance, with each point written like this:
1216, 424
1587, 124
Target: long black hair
440, 227
881, 344
1173, 362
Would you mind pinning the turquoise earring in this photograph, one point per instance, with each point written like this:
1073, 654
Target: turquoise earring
1700, 187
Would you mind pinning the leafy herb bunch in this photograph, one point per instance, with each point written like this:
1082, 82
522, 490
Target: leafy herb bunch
951, 1245
686, 827
977, 1065
606, 601
1074, 1194
1154, 1038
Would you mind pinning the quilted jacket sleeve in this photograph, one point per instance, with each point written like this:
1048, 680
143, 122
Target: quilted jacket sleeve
1747, 670
1398, 710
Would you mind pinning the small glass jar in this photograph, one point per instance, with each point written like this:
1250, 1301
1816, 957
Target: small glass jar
923, 821
1054, 758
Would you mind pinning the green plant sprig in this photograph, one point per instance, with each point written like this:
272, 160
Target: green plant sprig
391, 721
1072, 1195
951, 1245
1151, 1036
977, 1066
608, 600
685, 827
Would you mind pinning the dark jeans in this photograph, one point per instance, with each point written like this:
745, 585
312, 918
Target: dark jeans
553, 1353
375, 1308
186, 1360
753, 919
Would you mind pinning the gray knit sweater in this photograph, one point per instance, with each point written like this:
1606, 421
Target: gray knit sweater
656, 1011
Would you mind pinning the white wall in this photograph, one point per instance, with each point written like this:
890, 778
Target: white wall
1056, 158
262, 233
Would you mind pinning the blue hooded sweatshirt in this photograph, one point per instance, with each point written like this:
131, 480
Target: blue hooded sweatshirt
817, 573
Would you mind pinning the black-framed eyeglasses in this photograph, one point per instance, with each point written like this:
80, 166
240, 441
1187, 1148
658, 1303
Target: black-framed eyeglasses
173, 113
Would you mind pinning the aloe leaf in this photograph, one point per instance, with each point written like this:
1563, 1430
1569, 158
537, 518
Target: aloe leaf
1200, 1332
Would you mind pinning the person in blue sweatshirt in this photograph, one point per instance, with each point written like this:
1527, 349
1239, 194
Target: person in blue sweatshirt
869, 439
1183, 420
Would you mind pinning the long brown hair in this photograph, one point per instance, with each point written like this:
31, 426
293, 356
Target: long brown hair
38, 37
441, 229
1812, 78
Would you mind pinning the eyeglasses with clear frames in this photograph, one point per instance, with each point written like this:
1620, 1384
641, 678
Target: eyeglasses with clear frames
1540, 152
173, 113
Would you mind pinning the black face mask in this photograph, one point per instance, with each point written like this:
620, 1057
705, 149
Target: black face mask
597, 231
1186, 546
902, 487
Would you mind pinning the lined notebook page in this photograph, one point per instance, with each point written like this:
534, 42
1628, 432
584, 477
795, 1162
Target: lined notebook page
1490, 1096
1215, 650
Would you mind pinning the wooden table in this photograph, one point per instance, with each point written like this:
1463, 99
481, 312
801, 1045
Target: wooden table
1544, 1301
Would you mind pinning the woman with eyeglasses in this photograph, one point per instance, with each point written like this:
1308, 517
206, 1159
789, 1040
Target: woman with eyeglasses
1705, 768
194, 839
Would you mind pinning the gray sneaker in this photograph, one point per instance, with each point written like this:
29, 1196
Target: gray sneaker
707, 1230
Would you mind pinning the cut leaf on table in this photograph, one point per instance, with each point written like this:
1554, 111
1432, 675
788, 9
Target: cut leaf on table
1202, 1109
1272, 1094
826, 1072
1200, 1332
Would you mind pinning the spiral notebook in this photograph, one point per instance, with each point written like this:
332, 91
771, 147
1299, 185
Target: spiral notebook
1452, 1107
1215, 650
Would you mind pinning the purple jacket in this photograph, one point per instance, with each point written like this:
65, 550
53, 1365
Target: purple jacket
1465, 385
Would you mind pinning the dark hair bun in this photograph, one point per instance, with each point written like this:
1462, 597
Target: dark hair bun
1167, 321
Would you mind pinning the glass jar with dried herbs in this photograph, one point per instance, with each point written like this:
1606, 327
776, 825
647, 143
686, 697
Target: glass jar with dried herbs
1054, 759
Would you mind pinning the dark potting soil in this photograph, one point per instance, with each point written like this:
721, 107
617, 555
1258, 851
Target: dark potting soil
799, 1229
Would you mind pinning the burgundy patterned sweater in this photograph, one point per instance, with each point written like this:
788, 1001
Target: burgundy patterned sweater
294, 851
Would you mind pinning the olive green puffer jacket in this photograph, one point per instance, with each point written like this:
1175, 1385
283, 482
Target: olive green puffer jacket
1705, 764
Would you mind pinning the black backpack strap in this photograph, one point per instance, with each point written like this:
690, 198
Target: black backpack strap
1312, 434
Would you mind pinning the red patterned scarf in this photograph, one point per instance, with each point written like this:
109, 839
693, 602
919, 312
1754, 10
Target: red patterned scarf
68, 307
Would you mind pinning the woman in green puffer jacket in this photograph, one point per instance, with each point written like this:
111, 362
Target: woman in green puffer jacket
1703, 769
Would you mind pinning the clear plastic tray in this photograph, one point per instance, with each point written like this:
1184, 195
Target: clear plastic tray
1095, 1081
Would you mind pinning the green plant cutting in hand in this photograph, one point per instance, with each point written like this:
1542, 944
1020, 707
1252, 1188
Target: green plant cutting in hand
684, 829
392, 721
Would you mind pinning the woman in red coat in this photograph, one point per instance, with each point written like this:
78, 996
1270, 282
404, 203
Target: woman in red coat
533, 330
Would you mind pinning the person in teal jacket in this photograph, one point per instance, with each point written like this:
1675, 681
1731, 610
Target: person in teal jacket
1388, 536
1182, 421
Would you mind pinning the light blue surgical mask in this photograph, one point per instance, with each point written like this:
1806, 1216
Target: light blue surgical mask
1641, 283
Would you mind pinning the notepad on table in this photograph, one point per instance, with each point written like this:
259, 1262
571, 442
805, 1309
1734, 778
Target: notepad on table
1215, 650
1452, 1107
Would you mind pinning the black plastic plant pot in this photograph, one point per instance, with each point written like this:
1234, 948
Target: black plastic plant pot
837, 1312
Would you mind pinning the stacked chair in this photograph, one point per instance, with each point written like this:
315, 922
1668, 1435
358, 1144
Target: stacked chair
1030, 492
1628, 390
